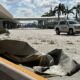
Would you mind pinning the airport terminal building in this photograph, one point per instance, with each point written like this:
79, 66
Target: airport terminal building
6, 19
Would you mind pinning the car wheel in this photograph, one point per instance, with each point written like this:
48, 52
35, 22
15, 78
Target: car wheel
57, 32
70, 32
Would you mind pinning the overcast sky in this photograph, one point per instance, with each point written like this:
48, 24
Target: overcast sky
33, 8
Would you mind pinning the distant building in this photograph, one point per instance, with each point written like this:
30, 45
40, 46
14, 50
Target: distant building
49, 22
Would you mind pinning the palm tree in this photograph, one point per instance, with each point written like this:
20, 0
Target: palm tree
68, 11
45, 14
59, 9
77, 8
50, 13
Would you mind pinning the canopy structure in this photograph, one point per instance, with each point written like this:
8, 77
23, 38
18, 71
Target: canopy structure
4, 13
39, 18
9, 21
6, 18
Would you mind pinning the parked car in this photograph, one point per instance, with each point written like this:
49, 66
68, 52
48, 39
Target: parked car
67, 26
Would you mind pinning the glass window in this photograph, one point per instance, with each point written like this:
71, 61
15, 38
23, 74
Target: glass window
55, 23
62, 22
73, 22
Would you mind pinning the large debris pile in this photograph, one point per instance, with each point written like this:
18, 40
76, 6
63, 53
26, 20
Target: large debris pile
58, 64
55, 62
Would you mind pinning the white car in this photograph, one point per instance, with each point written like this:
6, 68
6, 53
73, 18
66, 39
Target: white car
68, 26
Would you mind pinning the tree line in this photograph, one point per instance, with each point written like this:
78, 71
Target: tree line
61, 9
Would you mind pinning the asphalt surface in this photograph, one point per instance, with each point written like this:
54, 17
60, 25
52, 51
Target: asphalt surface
4, 76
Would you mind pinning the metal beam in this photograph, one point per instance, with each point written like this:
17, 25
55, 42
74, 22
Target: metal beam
34, 18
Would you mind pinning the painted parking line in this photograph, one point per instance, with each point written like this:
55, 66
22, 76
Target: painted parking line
21, 70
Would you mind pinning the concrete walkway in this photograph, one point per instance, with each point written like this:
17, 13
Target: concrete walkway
76, 76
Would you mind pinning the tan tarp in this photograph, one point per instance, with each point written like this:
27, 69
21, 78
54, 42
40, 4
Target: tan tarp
18, 51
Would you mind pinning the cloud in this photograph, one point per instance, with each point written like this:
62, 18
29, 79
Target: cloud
32, 8
45, 3
26, 3
77, 0
24, 12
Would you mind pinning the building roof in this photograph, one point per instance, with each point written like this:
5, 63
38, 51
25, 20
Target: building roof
4, 13
39, 18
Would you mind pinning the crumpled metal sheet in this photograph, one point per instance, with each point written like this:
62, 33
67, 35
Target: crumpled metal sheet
63, 64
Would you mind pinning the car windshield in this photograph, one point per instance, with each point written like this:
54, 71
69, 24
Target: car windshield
73, 22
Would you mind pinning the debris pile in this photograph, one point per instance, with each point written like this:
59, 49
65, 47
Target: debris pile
53, 63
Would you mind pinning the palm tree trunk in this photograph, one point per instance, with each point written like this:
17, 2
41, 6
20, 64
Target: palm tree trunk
67, 16
58, 15
76, 15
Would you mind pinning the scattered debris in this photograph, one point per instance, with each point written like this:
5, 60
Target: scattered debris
43, 41
55, 62
51, 42
30, 38
68, 42
67, 48
78, 40
36, 43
